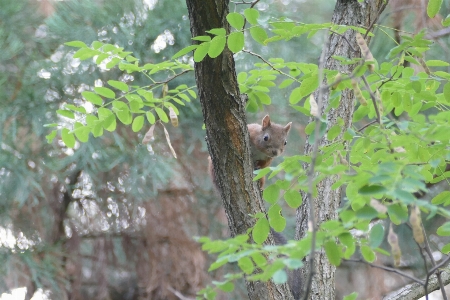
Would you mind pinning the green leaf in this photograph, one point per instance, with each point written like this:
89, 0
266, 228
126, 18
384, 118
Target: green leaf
376, 236
307, 86
51, 136
184, 51
236, 20
161, 114
105, 92
437, 63
192, 94
150, 117
433, 7
260, 173
261, 231
68, 138
446, 249
258, 34
444, 230
66, 113
85, 53
217, 31
263, 98
236, 41
280, 277
114, 61
441, 198
72, 107
352, 296
372, 189
285, 83
312, 137
368, 253
446, 21
81, 132
271, 193
122, 86
201, 52
333, 253
216, 46
293, 198
109, 123
138, 122
217, 264
446, 92
97, 130
334, 132
259, 259
123, 112
397, 213
92, 97
251, 15
202, 38
404, 196
76, 44
276, 220
96, 44
246, 265
366, 213
226, 287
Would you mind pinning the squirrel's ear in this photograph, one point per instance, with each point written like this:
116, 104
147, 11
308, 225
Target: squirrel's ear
266, 121
287, 127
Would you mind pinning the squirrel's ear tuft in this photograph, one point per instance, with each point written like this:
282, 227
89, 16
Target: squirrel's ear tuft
287, 127
266, 121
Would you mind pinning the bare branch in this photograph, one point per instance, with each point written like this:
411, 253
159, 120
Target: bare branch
393, 270
415, 290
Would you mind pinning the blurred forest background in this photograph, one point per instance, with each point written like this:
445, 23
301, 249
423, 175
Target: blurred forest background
115, 219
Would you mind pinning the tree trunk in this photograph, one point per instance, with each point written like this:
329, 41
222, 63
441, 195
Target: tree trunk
227, 135
347, 12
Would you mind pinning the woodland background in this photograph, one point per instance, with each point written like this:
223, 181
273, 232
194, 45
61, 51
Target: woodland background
115, 219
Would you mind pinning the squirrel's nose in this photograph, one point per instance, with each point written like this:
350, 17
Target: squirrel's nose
275, 152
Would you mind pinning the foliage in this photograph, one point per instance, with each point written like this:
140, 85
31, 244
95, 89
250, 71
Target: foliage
52, 225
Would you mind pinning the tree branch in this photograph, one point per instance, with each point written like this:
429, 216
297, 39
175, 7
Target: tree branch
415, 290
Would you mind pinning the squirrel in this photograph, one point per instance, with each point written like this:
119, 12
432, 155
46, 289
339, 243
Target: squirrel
267, 141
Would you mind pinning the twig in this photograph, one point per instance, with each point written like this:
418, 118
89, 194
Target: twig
375, 19
421, 282
269, 64
433, 262
374, 100
343, 36
252, 4
427, 278
367, 125
415, 290
440, 265
178, 294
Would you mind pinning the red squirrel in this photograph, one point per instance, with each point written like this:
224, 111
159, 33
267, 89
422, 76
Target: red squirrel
267, 141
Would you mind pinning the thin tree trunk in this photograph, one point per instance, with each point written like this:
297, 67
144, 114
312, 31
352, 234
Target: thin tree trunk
347, 12
227, 135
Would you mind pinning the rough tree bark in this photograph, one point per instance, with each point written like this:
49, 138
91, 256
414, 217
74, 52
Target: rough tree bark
347, 12
227, 136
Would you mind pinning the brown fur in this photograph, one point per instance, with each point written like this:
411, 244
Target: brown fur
267, 141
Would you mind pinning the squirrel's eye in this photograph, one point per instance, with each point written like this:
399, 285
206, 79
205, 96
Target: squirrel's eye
285, 142
266, 137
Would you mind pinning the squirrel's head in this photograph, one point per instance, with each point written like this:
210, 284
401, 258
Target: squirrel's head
273, 137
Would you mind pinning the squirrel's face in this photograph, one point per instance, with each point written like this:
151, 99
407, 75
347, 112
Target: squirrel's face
274, 139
